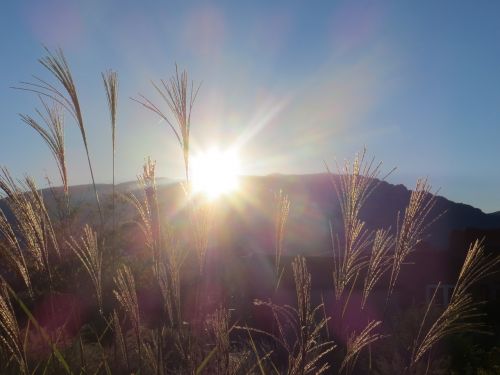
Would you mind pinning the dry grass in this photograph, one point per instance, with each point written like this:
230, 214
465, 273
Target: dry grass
218, 328
89, 253
169, 280
461, 314
282, 209
152, 218
179, 97
147, 208
356, 343
32, 221
153, 358
357, 180
201, 218
110, 81
311, 349
52, 132
180, 343
412, 228
13, 252
126, 295
379, 263
120, 339
10, 334
167, 259
299, 329
67, 96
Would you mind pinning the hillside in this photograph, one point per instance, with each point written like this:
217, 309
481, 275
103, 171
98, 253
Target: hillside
246, 216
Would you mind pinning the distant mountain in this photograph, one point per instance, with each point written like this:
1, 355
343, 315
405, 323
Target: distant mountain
314, 203
245, 218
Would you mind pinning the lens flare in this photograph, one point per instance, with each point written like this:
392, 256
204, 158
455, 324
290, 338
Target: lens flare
215, 173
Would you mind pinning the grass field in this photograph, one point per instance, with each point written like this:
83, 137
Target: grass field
71, 295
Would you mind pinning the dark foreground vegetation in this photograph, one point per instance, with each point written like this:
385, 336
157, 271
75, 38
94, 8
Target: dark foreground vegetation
93, 294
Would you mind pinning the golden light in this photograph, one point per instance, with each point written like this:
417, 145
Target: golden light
215, 172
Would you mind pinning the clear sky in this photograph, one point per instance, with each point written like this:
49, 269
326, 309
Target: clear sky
295, 83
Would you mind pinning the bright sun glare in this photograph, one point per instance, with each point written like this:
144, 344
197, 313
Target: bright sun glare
215, 172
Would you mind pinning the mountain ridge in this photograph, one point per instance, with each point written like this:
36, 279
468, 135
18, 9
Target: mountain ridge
314, 204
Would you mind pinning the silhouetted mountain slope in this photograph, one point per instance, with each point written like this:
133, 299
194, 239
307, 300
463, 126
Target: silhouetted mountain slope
245, 218
314, 198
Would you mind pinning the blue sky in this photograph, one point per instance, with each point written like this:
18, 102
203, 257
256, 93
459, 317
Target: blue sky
294, 83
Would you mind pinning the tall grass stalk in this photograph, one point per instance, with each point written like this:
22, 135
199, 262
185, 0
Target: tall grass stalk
67, 97
299, 328
32, 224
180, 98
356, 183
11, 249
10, 334
201, 213
462, 313
282, 209
90, 255
356, 343
110, 81
52, 132
33, 321
169, 282
32, 221
218, 328
147, 180
120, 339
412, 227
153, 357
379, 263
167, 260
126, 295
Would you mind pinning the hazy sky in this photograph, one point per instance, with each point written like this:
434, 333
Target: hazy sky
294, 83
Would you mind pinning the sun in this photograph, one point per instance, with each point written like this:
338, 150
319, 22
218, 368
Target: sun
215, 173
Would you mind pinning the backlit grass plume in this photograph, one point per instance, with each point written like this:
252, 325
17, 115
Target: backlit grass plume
299, 328
110, 80
32, 221
147, 181
52, 132
357, 180
282, 209
179, 97
379, 263
10, 334
13, 252
201, 217
89, 253
218, 328
126, 295
412, 227
153, 355
66, 96
182, 322
461, 314
147, 209
356, 343
169, 280
120, 338
167, 259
